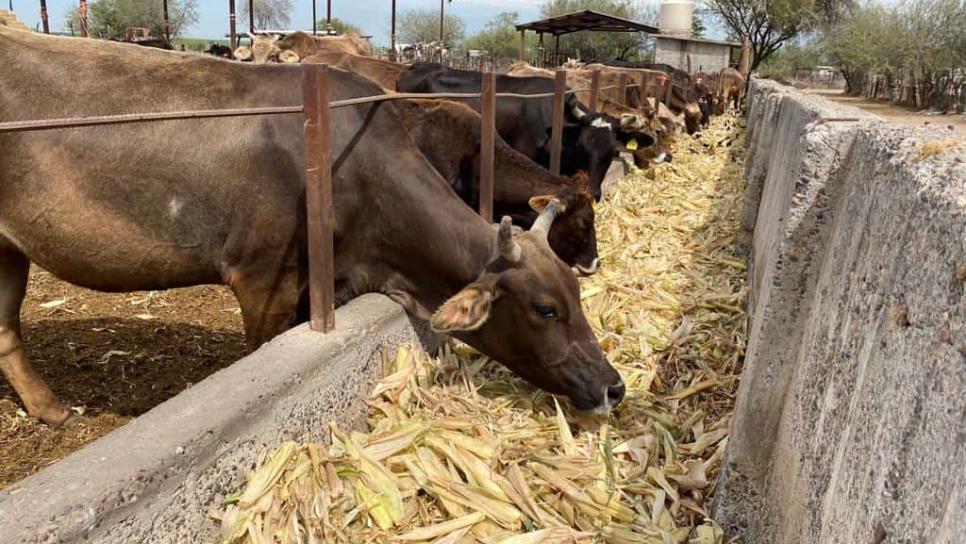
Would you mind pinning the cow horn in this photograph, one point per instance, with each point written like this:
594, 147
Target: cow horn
509, 248
579, 114
546, 217
629, 120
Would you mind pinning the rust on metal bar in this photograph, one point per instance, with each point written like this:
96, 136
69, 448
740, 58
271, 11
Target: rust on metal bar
487, 143
47, 124
43, 16
82, 10
556, 134
318, 196
594, 89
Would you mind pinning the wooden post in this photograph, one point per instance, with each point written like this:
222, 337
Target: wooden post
556, 50
82, 11
622, 90
318, 196
523, 45
43, 16
541, 56
556, 134
487, 143
167, 21
594, 89
668, 89
232, 33
392, 34
442, 15
644, 87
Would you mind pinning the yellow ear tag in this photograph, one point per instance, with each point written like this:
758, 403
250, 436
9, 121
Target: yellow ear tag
632, 145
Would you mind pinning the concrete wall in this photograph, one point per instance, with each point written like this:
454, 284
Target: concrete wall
850, 424
705, 57
156, 478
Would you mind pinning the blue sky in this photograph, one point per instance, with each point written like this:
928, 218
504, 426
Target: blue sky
371, 15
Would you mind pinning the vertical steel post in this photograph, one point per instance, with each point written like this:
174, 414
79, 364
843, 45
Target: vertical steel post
167, 21
315, 20
232, 33
328, 17
43, 16
594, 89
392, 34
523, 44
487, 143
556, 134
318, 196
442, 15
556, 50
82, 11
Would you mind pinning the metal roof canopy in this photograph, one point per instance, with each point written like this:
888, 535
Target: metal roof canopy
586, 20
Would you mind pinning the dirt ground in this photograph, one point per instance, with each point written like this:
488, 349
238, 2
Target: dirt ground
111, 357
894, 112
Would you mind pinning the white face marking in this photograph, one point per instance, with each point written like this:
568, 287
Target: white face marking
601, 123
174, 207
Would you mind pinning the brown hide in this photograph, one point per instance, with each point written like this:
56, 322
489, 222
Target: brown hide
151, 206
382, 72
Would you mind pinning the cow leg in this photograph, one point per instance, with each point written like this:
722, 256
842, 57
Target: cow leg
33, 391
268, 305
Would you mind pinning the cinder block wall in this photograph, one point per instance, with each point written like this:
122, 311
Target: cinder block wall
849, 425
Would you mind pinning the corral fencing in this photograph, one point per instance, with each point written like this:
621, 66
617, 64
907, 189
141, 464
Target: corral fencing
945, 92
316, 109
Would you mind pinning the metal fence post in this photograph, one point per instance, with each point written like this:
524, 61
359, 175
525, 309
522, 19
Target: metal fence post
594, 89
556, 136
622, 90
232, 32
487, 143
43, 16
318, 196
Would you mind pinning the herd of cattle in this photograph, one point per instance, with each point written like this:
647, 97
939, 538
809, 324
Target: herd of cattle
182, 203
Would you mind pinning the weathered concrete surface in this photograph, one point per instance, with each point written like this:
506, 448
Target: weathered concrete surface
155, 479
849, 425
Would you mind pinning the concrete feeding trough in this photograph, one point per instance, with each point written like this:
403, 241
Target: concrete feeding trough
154, 479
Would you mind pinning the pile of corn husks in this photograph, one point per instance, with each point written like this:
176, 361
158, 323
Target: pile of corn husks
461, 451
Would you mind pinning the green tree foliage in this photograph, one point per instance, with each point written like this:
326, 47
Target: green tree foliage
771, 23
340, 26
499, 38
270, 14
591, 46
422, 25
109, 19
922, 41
697, 26
785, 62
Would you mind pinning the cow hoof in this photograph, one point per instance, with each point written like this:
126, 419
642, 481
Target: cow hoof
73, 420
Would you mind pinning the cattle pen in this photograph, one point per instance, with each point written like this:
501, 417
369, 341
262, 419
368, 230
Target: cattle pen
785, 302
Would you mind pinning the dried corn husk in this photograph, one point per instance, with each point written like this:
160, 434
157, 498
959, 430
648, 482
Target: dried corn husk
460, 451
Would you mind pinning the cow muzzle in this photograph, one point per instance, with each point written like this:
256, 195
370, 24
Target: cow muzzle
613, 395
589, 270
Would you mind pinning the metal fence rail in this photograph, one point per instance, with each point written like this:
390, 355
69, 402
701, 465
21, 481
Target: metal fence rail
316, 110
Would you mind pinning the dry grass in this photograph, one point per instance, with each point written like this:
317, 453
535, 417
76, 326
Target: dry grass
460, 451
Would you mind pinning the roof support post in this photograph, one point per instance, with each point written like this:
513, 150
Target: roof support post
523, 45
232, 34
43, 16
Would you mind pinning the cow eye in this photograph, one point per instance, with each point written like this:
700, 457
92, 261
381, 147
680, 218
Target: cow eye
546, 312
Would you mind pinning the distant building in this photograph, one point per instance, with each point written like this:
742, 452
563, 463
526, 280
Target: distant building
674, 44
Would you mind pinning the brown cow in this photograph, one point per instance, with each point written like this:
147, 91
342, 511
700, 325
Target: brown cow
304, 44
448, 133
731, 89
180, 203
264, 47
382, 72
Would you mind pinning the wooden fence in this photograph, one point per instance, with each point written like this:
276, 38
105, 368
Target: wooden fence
316, 110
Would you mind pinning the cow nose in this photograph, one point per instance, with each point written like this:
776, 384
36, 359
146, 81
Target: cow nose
615, 394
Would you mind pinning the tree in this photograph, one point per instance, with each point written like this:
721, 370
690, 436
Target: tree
601, 45
270, 14
109, 19
340, 26
771, 23
697, 26
499, 38
422, 25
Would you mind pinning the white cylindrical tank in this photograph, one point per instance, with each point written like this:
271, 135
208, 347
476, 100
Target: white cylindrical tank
676, 17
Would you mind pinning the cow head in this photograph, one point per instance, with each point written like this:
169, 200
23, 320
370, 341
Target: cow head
264, 47
524, 311
573, 236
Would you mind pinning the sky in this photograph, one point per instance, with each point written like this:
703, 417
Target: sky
370, 15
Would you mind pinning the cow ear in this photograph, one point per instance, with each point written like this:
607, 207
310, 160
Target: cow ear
635, 139
538, 203
467, 310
